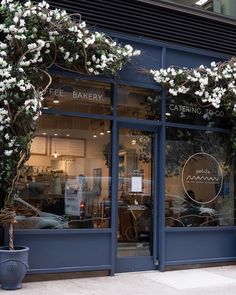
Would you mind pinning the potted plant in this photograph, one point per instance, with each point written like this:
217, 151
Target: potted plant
26, 54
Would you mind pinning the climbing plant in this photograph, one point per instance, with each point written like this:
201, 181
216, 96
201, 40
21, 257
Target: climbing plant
33, 38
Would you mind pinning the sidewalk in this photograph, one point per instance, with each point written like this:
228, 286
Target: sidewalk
214, 280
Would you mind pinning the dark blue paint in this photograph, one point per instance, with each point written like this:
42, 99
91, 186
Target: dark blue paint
188, 59
114, 222
130, 38
150, 58
68, 269
141, 123
196, 127
161, 200
161, 181
185, 246
135, 263
155, 186
77, 114
66, 250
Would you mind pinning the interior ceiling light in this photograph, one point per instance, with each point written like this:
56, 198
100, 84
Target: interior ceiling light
101, 133
108, 131
94, 134
55, 155
201, 2
56, 101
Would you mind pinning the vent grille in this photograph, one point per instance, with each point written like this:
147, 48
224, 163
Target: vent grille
155, 22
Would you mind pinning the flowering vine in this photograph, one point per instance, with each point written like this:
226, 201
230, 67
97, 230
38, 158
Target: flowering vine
33, 39
214, 85
210, 86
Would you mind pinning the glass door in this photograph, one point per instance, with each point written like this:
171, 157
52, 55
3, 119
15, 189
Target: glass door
135, 194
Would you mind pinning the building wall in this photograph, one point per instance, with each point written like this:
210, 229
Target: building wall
94, 249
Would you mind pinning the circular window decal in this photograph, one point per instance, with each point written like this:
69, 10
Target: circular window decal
202, 177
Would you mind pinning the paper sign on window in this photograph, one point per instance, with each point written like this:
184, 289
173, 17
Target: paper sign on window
136, 184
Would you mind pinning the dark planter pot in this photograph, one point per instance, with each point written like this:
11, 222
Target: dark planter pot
13, 267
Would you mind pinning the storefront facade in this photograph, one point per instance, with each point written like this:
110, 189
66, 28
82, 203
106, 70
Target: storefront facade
123, 177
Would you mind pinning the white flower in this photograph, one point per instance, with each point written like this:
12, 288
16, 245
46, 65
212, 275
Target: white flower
128, 47
15, 19
198, 93
67, 54
8, 153
136, 52
32, 46
82, 25
173, 92
203, 81
3, 45
22, 22
41, 43
28, 4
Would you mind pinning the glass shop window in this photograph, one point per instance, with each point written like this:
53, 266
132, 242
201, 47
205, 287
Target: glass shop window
188, 110
199, 179
139, 103
71, 94
224, 7
66, 182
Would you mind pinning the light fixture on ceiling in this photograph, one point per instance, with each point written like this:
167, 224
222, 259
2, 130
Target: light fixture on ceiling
56, 100
46, 104
102, 128
201, 2
55, 154
94, 134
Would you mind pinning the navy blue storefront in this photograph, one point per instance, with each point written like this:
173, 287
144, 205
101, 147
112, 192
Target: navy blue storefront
96, 248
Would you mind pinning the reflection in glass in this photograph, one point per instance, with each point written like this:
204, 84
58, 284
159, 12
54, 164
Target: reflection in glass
199, 179
188, 110
138, 103
70, 94
225, 7
135, 193
66, 183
